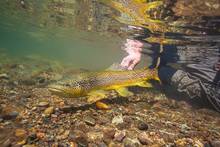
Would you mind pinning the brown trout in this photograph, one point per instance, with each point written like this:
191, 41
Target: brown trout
93, 84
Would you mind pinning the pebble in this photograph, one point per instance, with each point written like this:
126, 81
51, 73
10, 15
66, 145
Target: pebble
20, 133
109, 134
64, 135
73, 144
43, 104
118, 119
47, 112
34, 108
7, 143
215, 143
66, 109
11, 115
119, 136
128, 142
143, 138
4, 76
32, 138
185, 128
102, 144
12, 92
28, 145
40, 135
142, 126
89, 120
54, 115
21, 142
95, 136
82, 142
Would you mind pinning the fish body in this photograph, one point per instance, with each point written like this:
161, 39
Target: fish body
90, 82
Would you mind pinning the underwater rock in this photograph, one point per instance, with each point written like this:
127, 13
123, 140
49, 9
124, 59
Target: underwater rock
54, 116
82, 142
89, 120
4, 76
47, 112
29, 145
144, 139
95, 136
34, 108
119, 136
79, 137
64, 135
20, 133
43, 104
184, 128
102, 144
142, 126
10, 115
7, 143
118, 119
41, 80
32, 138
66, 109
22, 142
128, 142
215, 143
40, 135
108, 134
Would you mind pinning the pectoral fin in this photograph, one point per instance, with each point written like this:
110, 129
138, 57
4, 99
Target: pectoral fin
97, 95
124, 92
101, 105
144, 84
158, 79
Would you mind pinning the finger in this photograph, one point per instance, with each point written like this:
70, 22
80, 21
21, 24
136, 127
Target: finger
138, 44
125, 62
133, 64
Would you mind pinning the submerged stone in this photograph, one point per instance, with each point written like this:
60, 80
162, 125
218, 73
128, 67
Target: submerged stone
89, 120
48, 111
142, 126
144, 139
119, 136
118, 119
11, 115
4, 76
43, 104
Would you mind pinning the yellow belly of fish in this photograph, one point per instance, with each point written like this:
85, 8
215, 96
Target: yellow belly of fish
100, 93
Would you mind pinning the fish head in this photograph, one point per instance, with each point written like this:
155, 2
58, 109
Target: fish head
66, 88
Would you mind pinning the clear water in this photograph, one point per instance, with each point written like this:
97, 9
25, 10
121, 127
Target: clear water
72, 47
64, 31
86, 50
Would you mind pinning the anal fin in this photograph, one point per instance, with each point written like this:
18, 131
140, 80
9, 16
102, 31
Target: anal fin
124, 92
101, 105
97, 95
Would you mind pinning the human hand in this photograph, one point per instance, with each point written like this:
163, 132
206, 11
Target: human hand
133, 48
